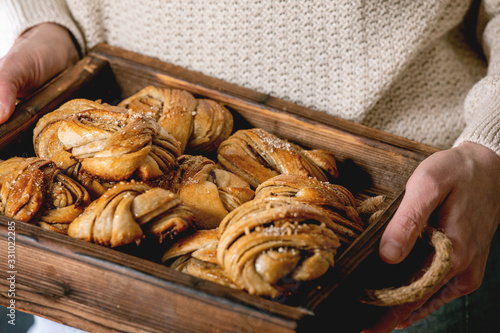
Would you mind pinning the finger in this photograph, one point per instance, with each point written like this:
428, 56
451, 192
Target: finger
16, 72
423, 195
31, 61
8, 93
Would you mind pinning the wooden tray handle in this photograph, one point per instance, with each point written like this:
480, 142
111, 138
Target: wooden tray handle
439, 267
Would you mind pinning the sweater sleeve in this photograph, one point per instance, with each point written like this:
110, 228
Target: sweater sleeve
16, 16
482, 105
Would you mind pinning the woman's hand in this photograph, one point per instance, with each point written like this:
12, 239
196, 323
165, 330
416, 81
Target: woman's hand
36, 56
456, 190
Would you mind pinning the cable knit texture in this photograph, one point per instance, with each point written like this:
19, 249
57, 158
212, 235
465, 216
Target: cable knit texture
403, 66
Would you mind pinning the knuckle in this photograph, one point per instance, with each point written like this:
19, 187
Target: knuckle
410, 222
427, 180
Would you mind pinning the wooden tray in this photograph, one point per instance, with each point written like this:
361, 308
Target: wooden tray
100, 289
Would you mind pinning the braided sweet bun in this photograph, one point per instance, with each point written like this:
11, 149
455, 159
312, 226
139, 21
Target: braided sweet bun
199, 124
257, 155
129, 212
46, 142
267, 243
115, 146
213, 123
336, 201
210, 191
35, 189
196, 254
173, 109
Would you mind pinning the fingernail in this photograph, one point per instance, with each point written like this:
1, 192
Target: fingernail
391, 251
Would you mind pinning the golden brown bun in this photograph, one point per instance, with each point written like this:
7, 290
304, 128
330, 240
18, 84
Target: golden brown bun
337, 202
209, 191
173, 109
45, 138
198, 124
196, 255
213, 123
116, 146
130, 211
256, 155
35, 188
266, 241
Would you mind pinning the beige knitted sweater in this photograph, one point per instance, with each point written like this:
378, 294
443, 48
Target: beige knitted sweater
407, 67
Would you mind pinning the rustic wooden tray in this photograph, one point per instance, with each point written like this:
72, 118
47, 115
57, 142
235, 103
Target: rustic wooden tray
100, 289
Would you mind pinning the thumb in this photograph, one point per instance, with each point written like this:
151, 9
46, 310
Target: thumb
8, 93
37, 55
421, 198
16, 72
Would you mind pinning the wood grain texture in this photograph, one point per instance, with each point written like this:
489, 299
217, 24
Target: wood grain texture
104, 290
